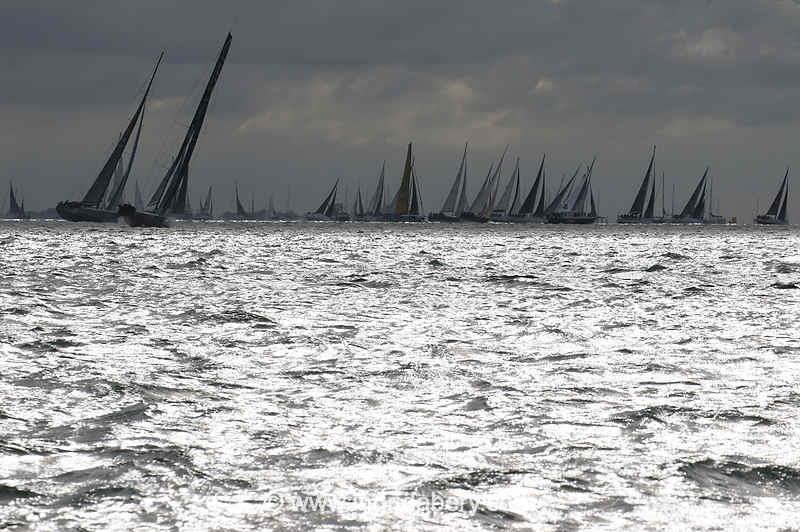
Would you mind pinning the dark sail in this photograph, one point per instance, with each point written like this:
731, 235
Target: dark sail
376, 203
116, 194
97, 191
415, 199
580, 200
449, 205
782, 211
638, 202
593, 211
530, 200
177, 176
240, 210
359, 210
776, 203
329, 200
691, 205
651, 203
329, 210
700, 210
554, 205
403, 197
13, 205
540, 208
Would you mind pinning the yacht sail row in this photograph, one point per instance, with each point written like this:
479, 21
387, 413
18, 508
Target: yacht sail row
16, 206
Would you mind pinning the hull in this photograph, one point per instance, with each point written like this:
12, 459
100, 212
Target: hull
404, 218
74, 211
642, 221
441, 217
765, 219
572, 219
136, 218
314, 217
471, 217
527, 219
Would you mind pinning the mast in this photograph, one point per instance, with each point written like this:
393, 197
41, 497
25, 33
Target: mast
663, 208
489, 207
178, 174
556, 203
94, 196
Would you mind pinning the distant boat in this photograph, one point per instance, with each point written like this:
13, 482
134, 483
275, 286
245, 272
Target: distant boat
456, 200
94, 207
638, 213
170, 195
16, 207
407, 203
694, 210
241, 212
573, 210
206, 211
271, 213
329, 210
776, 214
483, 204
506, 207
530, 211
358, 206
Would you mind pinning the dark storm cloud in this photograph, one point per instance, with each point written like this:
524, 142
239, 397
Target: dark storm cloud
319, 90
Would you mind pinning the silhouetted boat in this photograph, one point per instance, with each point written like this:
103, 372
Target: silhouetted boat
95, 207
457, 197
505, 208
530, 211
574, 211
407, 203
375, 208
358, 206
206, 211
638, 213
694, 210
776, 214
170, 195
483, 204
329, 210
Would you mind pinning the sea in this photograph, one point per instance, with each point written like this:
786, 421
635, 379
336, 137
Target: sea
375, 376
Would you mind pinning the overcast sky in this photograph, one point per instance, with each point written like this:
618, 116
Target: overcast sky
314, 91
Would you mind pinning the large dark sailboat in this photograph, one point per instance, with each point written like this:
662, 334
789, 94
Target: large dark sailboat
456, 199
776, 214
95, 207
694, 211
328, 210
637, 213
170, 195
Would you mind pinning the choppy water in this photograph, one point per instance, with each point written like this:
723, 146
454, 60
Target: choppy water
256, 376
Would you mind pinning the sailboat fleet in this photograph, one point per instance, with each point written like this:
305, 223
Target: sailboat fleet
572, 203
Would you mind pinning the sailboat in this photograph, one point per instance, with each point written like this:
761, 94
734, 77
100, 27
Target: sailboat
16, 208
694, 210
407, 203
507, 206
457, 197
93, 208
206, 211
574, 211
271, 214
358, 206
376, 207
776, 214
483, 204
638, 213
170, 195
241, 212
529, 211
328, 210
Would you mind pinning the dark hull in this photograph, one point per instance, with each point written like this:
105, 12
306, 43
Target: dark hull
136, 218
470, 217
440, 217
571, 219
73, 211
764, 219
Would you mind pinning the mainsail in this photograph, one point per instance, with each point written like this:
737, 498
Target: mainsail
540, 208
14, 207
94, 196
376, 203
121, 179
782, 211
449, 206
778, 202
691, 205
638, 202
483, 194
530, 200
330, 199
240, 210
358, 208
651, 203
508, 200
462, 198
402, 200
175, 182
557, 202
579, 205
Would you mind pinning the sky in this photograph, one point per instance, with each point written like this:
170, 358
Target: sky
318, 90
